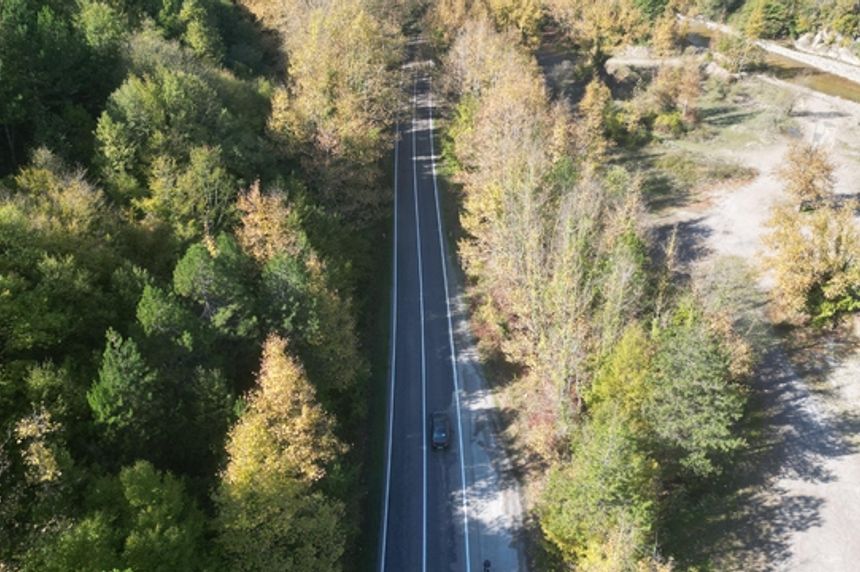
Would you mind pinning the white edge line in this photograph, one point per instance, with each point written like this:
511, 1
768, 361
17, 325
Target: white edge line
392, 361
450, 331
423, 357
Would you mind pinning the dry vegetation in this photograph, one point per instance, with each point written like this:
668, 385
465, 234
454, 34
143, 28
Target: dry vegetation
629, 388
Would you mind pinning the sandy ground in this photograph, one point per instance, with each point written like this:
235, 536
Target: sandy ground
802, 511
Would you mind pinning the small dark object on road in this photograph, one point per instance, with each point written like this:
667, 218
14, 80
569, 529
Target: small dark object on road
440, 430
486, 566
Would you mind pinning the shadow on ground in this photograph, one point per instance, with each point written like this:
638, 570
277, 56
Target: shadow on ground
746, 519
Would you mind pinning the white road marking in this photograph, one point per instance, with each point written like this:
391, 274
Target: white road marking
450, 333
392, 362
423, 357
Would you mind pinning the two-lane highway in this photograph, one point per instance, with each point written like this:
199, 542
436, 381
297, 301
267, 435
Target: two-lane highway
425, 515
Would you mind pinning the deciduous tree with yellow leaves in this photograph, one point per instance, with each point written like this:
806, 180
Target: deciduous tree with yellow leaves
598, 27
271, 514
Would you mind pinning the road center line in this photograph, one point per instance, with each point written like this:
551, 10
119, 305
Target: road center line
392, 362
421, 310
450, 331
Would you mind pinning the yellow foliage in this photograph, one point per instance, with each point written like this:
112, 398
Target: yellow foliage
268, 225
342, 95
599, 26
807, 172
622, 381
284, 430
43, 457
481, 58
666, 34
59, 199
818, 249
593, 111
678, 88
523, 15
447, 17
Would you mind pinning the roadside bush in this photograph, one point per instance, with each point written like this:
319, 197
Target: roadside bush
807, 173
627, 125
717, 9
848, 24
815, 257
737, 54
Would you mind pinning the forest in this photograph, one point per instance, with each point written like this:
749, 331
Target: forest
193, 195
191, 192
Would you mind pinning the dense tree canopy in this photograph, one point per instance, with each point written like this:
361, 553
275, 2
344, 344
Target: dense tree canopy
139, 281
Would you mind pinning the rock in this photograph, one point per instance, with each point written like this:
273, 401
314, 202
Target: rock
831, 45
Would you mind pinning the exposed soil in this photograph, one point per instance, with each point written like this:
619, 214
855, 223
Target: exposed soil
795, 503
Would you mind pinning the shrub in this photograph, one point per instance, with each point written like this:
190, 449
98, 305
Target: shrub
670, 123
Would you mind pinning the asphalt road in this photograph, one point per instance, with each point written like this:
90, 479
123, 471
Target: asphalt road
443, 510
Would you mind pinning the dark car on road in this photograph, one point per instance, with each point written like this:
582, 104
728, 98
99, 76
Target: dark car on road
440, 430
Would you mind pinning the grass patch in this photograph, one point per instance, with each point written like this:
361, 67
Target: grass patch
674, 178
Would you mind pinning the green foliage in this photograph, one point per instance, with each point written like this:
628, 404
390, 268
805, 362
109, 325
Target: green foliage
462, 121
824, 311
623, 380
127, 398
201, 32
197, 201
55, 261
216, 279
670, 123
88, 546
600, 507
717, 9
768, 19
41, 103
165, 528
154, 116
103, 26
142, 520
651, 8
695, 404
160, 313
